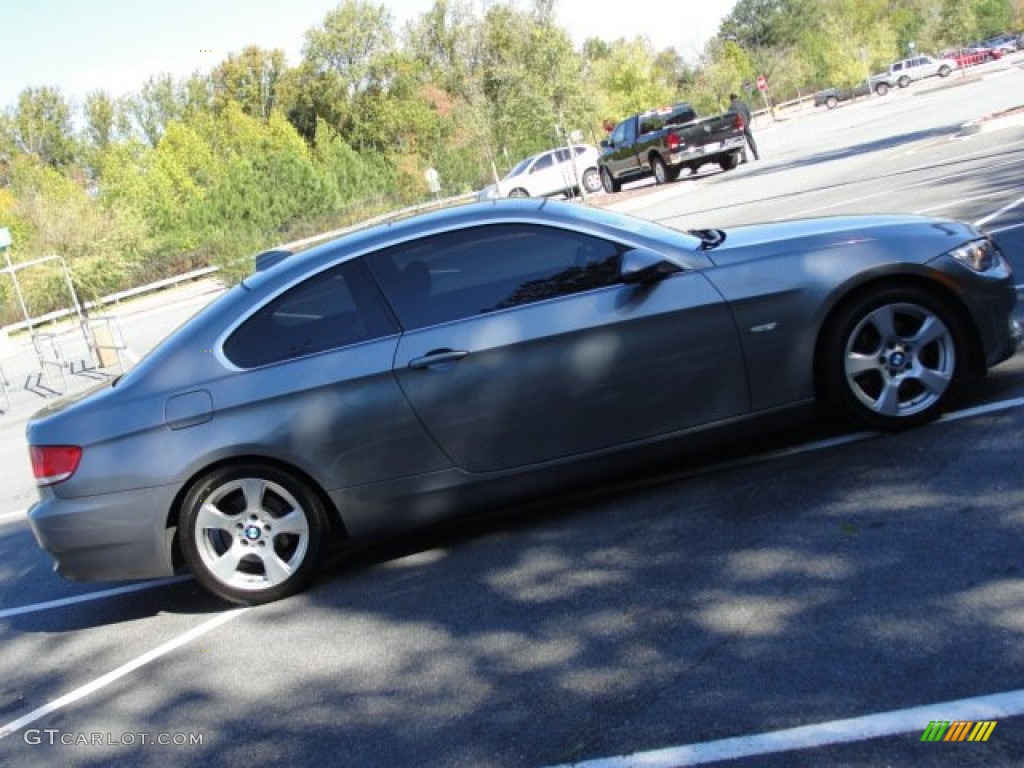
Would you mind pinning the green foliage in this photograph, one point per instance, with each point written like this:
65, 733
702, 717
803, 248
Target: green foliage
994, 17
250, 80
629, 80
40, 125
220, 165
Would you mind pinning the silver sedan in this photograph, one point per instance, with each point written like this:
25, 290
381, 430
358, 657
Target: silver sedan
488, 353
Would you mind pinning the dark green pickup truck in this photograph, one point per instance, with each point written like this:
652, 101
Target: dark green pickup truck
830, 97
664, 141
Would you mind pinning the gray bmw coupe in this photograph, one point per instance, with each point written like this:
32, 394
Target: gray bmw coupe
485, 353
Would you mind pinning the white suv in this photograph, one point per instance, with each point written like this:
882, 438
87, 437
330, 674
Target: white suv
554, 172
903, 72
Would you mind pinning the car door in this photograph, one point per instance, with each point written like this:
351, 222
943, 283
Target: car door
521, 345
315, 384
621, 159
541, 177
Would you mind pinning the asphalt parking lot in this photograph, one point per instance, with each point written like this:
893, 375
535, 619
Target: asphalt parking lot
806, 598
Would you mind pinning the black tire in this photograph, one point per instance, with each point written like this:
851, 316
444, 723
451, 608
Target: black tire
592, 180
610, 184
662, 173
944, 71
831, 102
518, 192
882, 88
266, 526
903, 82
892, 359
729, 161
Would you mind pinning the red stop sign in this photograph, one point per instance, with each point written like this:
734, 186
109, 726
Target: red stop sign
762, 84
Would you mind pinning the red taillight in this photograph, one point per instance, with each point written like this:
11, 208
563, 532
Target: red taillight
54, 463
739, 122
673, 142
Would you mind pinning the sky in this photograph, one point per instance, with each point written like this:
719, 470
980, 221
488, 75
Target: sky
81, 46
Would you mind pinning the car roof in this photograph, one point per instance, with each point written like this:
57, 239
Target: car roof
526, 210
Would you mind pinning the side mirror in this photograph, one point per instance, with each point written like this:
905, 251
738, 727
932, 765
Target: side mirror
643, 266
605, 144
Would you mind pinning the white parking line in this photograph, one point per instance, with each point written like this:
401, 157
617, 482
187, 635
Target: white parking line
833, 442
986, 219
125, 669
958, 201
91, 596
997, 230
914, 719
14, 517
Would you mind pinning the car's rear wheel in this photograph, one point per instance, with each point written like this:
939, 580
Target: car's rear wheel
903, 82
892, 359
729, 161
662, 173
608, 181
592, 180
944, 71
881, 89
252, 533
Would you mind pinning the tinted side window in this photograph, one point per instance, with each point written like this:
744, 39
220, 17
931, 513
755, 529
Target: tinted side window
650, 124
619, 134
484, 269
335, 308
682, 116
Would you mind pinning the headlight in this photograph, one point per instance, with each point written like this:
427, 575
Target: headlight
978, 255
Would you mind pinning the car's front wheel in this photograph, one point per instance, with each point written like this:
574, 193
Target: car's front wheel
252, 533
608, 181
893, 359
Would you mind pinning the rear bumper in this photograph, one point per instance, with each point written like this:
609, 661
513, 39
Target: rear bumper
109, 537
732, 144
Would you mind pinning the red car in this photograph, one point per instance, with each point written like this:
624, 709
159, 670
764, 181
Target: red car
969, 57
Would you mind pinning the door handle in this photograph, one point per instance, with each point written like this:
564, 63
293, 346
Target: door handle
437, 357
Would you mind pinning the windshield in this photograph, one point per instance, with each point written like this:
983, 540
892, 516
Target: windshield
519, 168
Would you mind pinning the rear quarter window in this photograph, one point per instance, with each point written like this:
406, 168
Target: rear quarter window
336, 308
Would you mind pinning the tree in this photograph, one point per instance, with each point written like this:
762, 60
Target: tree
249, 79
40, 125
957, 24
346, 44
994, 17
627, 80
769, 29
158, 103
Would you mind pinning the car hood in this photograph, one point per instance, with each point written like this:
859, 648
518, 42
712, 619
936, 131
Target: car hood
918, 238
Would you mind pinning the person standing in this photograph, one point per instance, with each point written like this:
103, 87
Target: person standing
739, 107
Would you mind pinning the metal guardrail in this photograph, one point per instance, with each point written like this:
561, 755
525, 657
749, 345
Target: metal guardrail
381, 219
113, 298
198, 273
